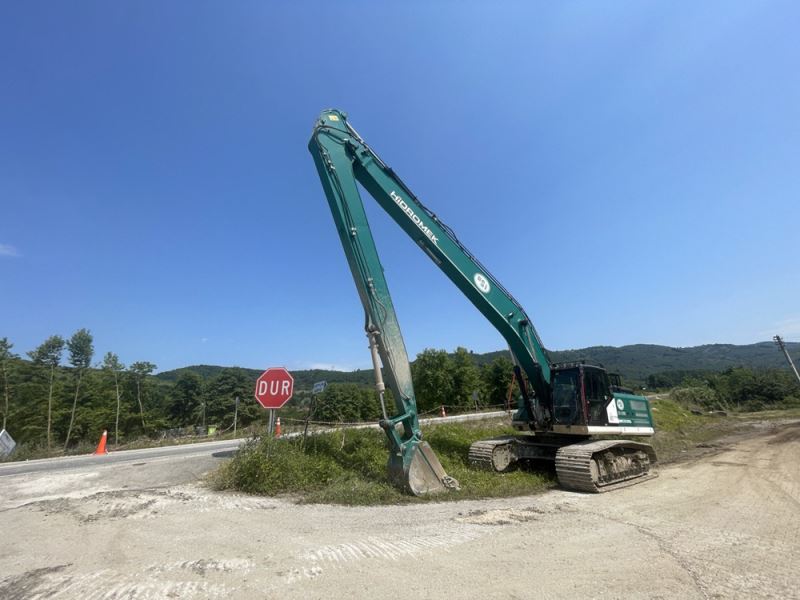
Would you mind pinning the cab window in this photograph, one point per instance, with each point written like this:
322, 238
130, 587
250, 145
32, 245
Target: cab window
565, 396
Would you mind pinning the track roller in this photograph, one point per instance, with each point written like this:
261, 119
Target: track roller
604, 465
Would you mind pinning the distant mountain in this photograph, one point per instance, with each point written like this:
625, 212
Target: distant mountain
634, 362
637, 361
303, 379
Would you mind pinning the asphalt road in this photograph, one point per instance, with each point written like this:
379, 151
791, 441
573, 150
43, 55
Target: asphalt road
200, 450
122, 456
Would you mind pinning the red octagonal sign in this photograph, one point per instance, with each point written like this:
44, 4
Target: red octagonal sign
274, 387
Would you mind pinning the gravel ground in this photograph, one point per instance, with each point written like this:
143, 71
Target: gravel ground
725, 525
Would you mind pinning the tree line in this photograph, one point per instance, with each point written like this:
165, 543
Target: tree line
57, 396
54, 405
453, 380
740, 389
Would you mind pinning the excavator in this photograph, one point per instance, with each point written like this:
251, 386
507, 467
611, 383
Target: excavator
560, 407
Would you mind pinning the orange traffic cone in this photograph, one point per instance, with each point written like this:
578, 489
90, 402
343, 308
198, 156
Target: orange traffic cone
101, 447
442, 412
278, 427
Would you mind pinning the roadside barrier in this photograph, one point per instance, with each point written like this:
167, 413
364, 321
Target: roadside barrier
101, 446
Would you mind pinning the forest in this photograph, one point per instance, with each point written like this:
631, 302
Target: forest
59, 395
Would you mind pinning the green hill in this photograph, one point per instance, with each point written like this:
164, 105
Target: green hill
303, 378
634, 362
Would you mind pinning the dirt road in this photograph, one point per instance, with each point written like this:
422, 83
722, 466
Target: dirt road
724, 526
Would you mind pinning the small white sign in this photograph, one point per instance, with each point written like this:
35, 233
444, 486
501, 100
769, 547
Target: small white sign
611, 411
482, 283
7, 443
319, 387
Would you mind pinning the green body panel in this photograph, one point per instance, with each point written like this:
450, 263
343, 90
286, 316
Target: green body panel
635, 410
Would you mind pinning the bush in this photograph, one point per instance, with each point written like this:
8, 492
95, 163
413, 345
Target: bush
277, 466
702, 396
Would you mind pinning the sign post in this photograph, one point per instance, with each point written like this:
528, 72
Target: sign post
274, 388
318, 388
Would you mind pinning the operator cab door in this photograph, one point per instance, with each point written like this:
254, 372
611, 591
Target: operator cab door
598, 394
567, 397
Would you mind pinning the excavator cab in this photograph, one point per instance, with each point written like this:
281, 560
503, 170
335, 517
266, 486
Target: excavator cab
581, 393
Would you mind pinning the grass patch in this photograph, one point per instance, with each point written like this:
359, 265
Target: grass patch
350, 467
678, 431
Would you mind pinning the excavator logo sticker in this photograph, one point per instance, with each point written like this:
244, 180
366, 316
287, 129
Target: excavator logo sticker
482, 283
413, 216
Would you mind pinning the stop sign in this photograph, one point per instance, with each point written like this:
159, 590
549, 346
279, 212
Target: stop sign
274, 387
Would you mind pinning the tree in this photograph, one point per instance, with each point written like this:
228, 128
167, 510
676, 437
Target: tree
432, 372
497, 377
48, 354
81, 350
219, 398
347, 403
466, 378
140, 370
5, 358
185, 398
112, 365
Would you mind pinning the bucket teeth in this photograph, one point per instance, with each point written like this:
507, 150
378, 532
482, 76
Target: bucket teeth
425, 474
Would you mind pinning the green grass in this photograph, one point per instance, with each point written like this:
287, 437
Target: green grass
678, 431
350, 467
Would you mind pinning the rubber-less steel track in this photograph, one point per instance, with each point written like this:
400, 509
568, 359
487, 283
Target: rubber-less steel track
604, 465
493, 455
585, 466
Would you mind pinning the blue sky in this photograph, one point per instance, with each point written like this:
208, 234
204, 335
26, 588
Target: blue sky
628, 170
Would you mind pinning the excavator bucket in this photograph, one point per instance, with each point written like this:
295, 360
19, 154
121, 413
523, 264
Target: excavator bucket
422, 473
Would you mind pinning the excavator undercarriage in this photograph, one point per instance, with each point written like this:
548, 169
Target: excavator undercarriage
583, 466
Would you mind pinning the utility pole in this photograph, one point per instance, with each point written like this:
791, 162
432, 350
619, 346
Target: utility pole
235, 415
779, 340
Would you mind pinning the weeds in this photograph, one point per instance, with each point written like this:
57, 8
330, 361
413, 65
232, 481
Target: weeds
350, 468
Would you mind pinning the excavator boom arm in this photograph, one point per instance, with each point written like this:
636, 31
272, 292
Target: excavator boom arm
343, 159
334, 139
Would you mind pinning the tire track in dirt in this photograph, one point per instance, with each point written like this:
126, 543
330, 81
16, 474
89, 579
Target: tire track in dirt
725, 526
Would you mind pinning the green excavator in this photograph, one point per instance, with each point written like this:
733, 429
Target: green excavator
560, 407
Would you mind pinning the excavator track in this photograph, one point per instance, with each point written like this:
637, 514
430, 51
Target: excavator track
604, 465
587, 466
493, 455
